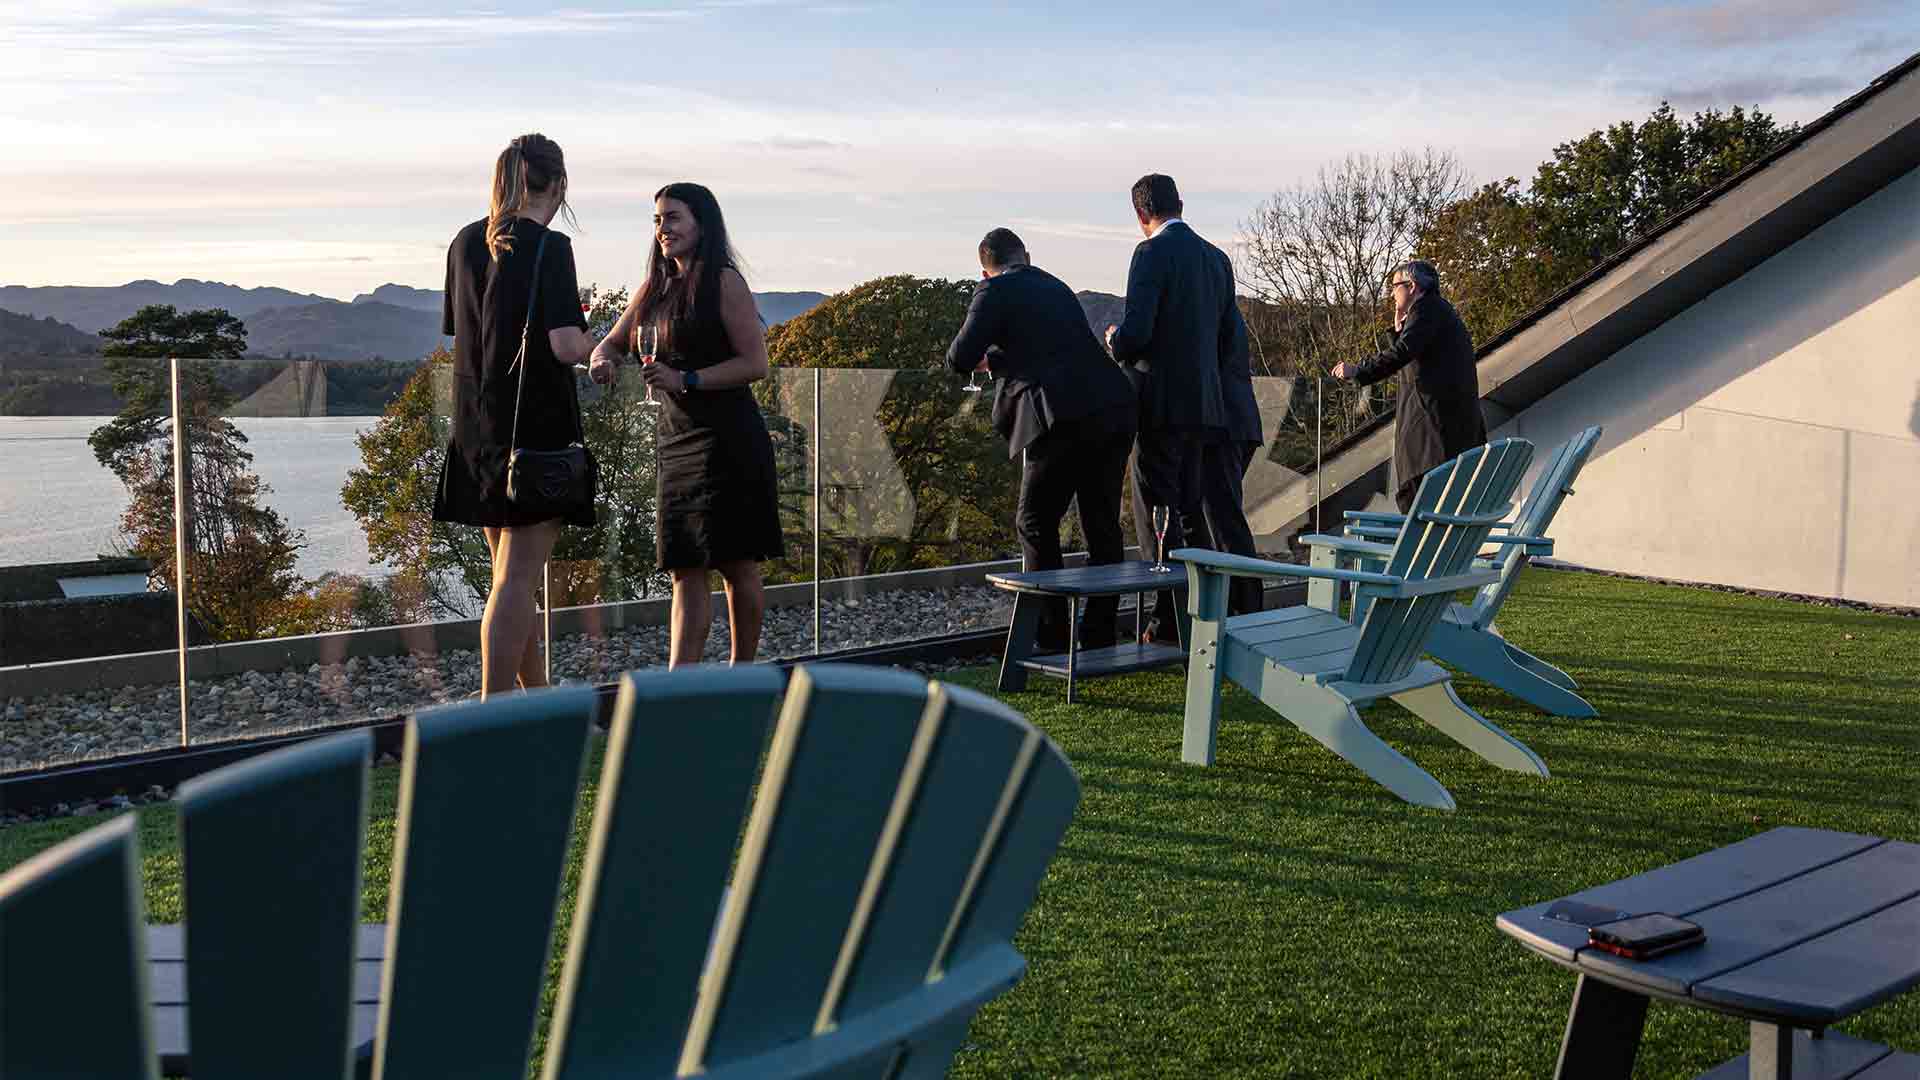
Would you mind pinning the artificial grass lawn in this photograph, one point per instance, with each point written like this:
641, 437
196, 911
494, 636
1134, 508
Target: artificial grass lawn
1280, 915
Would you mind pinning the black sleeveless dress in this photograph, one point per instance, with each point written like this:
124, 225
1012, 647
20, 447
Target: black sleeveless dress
486, 312
715, 487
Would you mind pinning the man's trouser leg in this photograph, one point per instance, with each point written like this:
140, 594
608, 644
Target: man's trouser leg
1101, 473
1046, 486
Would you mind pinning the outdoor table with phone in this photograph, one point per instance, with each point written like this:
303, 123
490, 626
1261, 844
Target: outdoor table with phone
1801, 929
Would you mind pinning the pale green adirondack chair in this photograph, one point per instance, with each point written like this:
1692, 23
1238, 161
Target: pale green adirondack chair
894, 838
1466, 636
1318, 670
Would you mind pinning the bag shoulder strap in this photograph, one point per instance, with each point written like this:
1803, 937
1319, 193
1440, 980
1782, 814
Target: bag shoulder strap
526, 332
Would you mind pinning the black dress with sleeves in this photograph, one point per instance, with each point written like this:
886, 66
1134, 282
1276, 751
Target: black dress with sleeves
486, 311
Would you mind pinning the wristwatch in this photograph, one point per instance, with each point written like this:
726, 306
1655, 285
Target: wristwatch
691, 380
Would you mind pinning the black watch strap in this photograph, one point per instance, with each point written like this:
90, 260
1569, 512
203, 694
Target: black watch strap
692, 379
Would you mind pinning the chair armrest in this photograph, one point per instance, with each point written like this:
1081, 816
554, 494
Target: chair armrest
1347, 545
1374, 517
1240, 565
1473, 579
1536, 545
1374, 532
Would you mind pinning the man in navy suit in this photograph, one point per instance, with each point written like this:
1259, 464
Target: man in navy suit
1062, 407
1176, 342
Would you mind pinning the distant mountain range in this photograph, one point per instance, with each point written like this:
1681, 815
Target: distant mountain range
397, 322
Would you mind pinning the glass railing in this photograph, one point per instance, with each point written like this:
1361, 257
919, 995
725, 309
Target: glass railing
330, 595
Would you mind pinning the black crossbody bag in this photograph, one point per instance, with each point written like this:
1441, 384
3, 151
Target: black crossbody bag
556, 483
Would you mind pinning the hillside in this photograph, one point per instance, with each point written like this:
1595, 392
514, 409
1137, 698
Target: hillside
1103, 310
405, 296
24, 336
336, 331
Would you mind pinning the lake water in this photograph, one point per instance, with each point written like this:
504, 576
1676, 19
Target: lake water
57, 504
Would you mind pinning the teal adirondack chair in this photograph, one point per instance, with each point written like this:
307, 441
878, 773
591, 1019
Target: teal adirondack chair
895, 832
1318, 670
1466, 636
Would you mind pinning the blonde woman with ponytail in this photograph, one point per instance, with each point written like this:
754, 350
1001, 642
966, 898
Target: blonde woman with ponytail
490, 275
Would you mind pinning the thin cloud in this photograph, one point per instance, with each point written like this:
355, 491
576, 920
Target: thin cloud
1077, 230
1757, 89
1747, 22
803, 142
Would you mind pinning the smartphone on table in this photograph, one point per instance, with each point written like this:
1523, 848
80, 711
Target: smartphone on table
1644, 937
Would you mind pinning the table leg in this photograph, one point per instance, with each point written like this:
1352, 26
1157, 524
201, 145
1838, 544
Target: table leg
1073, 642
1603, 1032
1771, 1055
1020, 634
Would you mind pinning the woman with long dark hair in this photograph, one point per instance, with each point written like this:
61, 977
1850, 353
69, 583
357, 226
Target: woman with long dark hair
715, 491
490, 276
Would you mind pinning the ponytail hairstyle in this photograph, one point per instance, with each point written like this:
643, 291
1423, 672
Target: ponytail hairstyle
664, 295
529, 166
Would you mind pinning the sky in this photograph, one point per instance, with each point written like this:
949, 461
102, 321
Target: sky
329, 147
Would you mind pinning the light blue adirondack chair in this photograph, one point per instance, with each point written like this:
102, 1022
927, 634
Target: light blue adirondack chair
895, 834
1466, 636
1318, 670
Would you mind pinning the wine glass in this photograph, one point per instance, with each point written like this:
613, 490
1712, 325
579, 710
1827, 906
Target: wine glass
1161, 516
646, 340
974, 385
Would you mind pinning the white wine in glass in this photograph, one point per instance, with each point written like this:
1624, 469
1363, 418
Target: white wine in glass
646, 340
1161, 515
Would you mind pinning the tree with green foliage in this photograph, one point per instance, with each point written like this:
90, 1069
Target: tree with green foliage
912, 474
1504, 251
240, 554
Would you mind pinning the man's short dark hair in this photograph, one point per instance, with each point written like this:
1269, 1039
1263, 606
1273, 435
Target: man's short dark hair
1001, 248
1423, 274
1155, 198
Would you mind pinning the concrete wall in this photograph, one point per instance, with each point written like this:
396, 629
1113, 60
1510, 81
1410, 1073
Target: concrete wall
1769, 436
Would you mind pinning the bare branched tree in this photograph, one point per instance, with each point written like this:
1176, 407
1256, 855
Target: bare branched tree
1319, 255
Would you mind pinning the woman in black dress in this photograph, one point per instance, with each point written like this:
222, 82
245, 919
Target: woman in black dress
490, 272
715, 493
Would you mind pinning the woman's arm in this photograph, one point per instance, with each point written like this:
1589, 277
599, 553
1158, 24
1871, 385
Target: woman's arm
571, 345
607, 354
744, 330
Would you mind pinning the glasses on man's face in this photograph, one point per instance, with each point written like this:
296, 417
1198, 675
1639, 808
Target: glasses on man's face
1391, 289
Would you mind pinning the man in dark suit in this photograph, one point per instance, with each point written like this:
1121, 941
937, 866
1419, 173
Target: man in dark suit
1173, 342
1438, 414
1062, 407
1224, 465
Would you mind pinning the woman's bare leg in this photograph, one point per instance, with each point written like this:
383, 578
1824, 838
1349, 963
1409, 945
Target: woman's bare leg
692, 617
508, 645
746, 607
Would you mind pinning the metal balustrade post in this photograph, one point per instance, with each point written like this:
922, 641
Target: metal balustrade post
815, 440
546, 617
180, 544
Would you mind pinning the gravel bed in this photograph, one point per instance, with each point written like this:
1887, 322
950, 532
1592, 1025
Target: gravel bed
68, 727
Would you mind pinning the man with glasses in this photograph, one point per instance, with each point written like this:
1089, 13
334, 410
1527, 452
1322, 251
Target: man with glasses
1438, 415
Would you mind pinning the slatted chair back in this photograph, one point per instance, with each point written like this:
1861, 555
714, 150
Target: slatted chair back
74, 1000
271, 858
486, 810
1551, 489
1458, 504
897, 835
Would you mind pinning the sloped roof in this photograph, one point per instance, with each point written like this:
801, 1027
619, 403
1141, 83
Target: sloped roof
1855, 149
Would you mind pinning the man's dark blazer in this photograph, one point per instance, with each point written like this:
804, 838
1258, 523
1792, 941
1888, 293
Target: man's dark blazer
1178, 324
1050, 365
1438, 415
1236, 387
